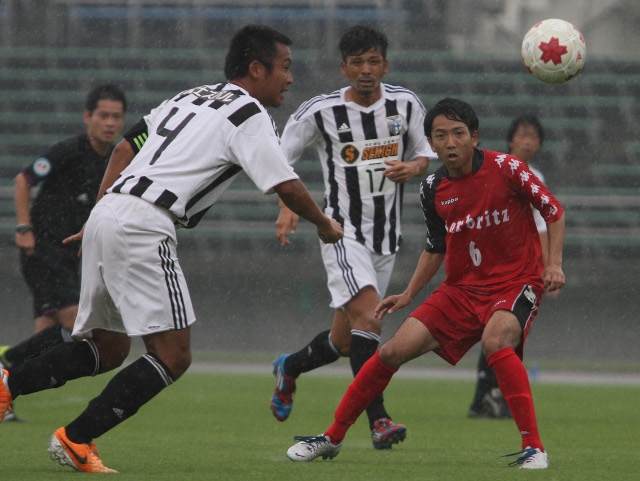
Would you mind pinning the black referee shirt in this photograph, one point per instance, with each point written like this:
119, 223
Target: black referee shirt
69, 175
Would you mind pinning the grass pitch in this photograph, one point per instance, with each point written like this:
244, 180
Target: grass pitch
212, 426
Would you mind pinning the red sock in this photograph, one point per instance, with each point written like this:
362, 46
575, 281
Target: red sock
514, 383
373, 378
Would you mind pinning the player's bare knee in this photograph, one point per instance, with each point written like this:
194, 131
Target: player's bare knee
367, 323
502, 331
112, 357
43, 322
172, 347
492, 344
66, 317
182, 364
176, 357
392, 355
343, 348
489, 347
113, 348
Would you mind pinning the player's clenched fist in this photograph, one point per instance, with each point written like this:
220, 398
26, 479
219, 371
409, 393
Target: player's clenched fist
332, 233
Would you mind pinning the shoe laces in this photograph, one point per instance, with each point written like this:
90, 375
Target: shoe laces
525, 454
382, 424
285, 384
312, 443
96, 462
285, 388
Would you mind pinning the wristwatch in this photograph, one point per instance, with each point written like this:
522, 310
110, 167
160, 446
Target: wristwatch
24, 228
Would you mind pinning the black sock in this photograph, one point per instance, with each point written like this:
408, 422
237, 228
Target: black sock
486, 382
127, 391
319, 352
36, 345
55, 367
363, 346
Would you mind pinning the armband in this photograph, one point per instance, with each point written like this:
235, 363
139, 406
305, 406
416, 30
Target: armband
137, 135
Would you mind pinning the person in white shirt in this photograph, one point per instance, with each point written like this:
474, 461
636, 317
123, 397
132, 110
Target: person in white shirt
169, 169
369, 140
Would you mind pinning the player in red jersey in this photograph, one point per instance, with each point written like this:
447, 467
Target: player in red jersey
477, 208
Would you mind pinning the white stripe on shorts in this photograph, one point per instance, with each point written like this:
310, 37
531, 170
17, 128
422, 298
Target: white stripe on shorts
351, 267
173, 287
347, 270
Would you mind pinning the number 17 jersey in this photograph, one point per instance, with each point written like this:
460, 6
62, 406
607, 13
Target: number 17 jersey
352, 143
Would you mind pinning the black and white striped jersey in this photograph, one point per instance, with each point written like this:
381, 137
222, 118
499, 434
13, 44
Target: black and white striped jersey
194, 146
352, 143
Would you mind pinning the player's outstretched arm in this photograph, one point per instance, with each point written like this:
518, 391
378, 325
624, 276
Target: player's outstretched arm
427, 267
121, 157
295, 196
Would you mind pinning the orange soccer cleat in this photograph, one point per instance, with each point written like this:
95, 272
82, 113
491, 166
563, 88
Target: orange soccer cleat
81, 457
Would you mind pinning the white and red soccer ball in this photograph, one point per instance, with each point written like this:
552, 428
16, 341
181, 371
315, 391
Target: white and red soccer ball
554, 51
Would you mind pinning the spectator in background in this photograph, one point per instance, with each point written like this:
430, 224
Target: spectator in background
524, 140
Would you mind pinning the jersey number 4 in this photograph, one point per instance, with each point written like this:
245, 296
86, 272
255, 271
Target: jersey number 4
169, 134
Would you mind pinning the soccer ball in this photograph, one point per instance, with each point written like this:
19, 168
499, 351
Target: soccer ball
554, 51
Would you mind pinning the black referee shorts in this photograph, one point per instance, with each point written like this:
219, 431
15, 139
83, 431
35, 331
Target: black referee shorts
53, 277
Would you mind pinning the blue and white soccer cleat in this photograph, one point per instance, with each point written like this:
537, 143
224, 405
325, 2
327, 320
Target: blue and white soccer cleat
282, 399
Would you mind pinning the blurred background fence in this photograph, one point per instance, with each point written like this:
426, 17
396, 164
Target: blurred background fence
249, 292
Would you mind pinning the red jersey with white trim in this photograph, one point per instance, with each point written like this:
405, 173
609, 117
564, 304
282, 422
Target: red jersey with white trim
484, 222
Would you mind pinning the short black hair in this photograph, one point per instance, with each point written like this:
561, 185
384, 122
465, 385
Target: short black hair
104, 92
252, 42
453, 109
359, 39
525, 119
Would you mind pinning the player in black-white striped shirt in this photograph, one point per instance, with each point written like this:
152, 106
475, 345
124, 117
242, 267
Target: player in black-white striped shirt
369, 140
170, 168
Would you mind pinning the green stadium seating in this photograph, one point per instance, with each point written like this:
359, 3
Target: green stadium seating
590, 154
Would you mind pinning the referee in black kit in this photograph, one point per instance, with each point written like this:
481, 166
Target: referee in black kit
68, 176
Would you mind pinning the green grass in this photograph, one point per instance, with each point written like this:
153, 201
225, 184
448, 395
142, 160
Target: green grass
218, 427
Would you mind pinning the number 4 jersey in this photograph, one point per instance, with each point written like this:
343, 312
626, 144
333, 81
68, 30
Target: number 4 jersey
352, 143
484, 222
191, 147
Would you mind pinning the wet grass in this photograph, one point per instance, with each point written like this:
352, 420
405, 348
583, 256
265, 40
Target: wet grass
219, 427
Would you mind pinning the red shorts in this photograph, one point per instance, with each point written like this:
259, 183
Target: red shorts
457, 317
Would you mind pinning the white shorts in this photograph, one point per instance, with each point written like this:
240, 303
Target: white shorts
131, 279
351, 266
